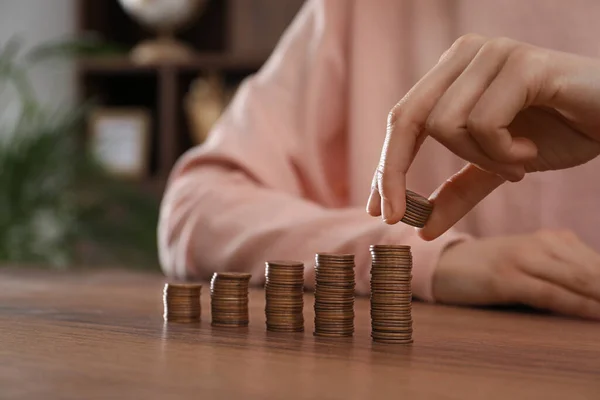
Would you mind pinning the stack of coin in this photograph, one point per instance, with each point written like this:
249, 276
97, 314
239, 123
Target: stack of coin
418, 209
181, 302
284, 292
334, 295
391, 294
229, 299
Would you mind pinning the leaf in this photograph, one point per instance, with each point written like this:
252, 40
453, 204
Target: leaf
54, 197
10, 50
89, 45
46, 169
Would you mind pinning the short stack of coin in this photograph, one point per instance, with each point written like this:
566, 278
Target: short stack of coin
181, 302
334, 295
284, 292
418, 209
391, 294
229, 299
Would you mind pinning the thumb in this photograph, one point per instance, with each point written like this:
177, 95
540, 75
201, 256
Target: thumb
456, 197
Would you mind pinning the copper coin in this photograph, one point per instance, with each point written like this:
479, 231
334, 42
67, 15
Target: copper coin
418, 199
388, 341
330, 335
389, 335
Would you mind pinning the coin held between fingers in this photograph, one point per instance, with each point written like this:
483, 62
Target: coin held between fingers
418, 210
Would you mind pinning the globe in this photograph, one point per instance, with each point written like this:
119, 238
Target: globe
165, 17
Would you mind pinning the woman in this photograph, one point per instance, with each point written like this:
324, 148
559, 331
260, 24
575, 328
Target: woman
286, 171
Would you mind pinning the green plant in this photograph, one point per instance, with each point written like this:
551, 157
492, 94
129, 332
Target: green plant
57, 206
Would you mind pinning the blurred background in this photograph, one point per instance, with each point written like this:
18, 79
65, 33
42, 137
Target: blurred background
98, 99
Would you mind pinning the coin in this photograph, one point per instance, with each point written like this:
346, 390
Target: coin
284, 295
391, 293
334, 295
181, 302
229, 299
418, 209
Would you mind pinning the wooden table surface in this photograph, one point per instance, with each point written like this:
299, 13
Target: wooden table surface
101, 335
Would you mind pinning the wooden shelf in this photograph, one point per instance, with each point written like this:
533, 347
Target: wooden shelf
232, 39
154, 186
123, 65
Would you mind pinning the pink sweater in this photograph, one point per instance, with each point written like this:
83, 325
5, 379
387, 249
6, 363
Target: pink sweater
286, 172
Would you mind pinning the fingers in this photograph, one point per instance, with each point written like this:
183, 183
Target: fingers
374, 202
513, 90
547, 295
457, 196
566, 261
391, 182
406, 124
466, 102
448, 121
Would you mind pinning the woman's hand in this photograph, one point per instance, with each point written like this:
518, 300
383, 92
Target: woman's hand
506, 107
549, 270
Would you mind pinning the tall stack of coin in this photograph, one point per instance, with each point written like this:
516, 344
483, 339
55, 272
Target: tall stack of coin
181, 302
391, 294
418, 209
229, 299
284, 292
334, 295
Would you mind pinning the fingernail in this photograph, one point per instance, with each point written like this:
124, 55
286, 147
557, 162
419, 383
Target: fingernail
370, 204
388, 212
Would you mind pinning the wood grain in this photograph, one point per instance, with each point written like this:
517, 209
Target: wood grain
99, 335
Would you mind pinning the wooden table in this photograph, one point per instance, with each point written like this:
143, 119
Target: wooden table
101, 336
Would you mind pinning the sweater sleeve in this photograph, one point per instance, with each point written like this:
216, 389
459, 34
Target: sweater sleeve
269, 182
